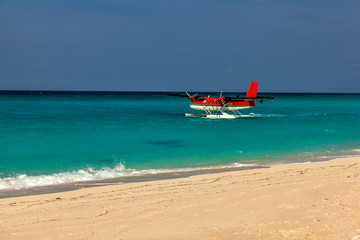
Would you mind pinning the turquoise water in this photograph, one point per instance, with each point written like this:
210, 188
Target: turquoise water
58, 138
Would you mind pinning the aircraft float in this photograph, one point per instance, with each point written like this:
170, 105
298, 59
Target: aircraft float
223, 107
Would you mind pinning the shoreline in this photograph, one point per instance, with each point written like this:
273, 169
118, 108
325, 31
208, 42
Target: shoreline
167, 174
317, 200
58, 188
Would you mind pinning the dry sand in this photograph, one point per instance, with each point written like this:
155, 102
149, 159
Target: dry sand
292, 201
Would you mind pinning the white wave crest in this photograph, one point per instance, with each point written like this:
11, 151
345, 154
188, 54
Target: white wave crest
25, 181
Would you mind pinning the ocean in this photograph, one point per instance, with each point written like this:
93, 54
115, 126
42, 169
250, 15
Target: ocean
52, 138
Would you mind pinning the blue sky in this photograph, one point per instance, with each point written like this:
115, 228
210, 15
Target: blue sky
158, 45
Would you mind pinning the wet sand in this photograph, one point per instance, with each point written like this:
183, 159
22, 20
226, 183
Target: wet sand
318, 200
115, 181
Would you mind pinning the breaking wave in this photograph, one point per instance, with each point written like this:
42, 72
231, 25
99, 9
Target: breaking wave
90, 174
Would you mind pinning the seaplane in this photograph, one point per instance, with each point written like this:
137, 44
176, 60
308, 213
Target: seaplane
223, 107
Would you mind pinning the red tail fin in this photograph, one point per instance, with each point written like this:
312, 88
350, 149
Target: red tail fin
252, 92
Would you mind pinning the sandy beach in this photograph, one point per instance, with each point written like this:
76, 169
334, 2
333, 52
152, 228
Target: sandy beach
318, 200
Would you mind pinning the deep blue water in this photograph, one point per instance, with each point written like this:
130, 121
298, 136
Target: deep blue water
53, 138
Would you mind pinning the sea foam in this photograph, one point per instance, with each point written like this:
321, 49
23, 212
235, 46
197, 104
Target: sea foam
90, 174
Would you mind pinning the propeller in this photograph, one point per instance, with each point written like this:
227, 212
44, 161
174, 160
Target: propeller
183, 95
195, 96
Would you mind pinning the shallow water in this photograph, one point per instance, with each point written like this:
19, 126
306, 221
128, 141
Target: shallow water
54, 138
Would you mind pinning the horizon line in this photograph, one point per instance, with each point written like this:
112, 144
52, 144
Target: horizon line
157, 91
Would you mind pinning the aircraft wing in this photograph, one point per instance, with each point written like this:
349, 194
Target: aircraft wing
241, 99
